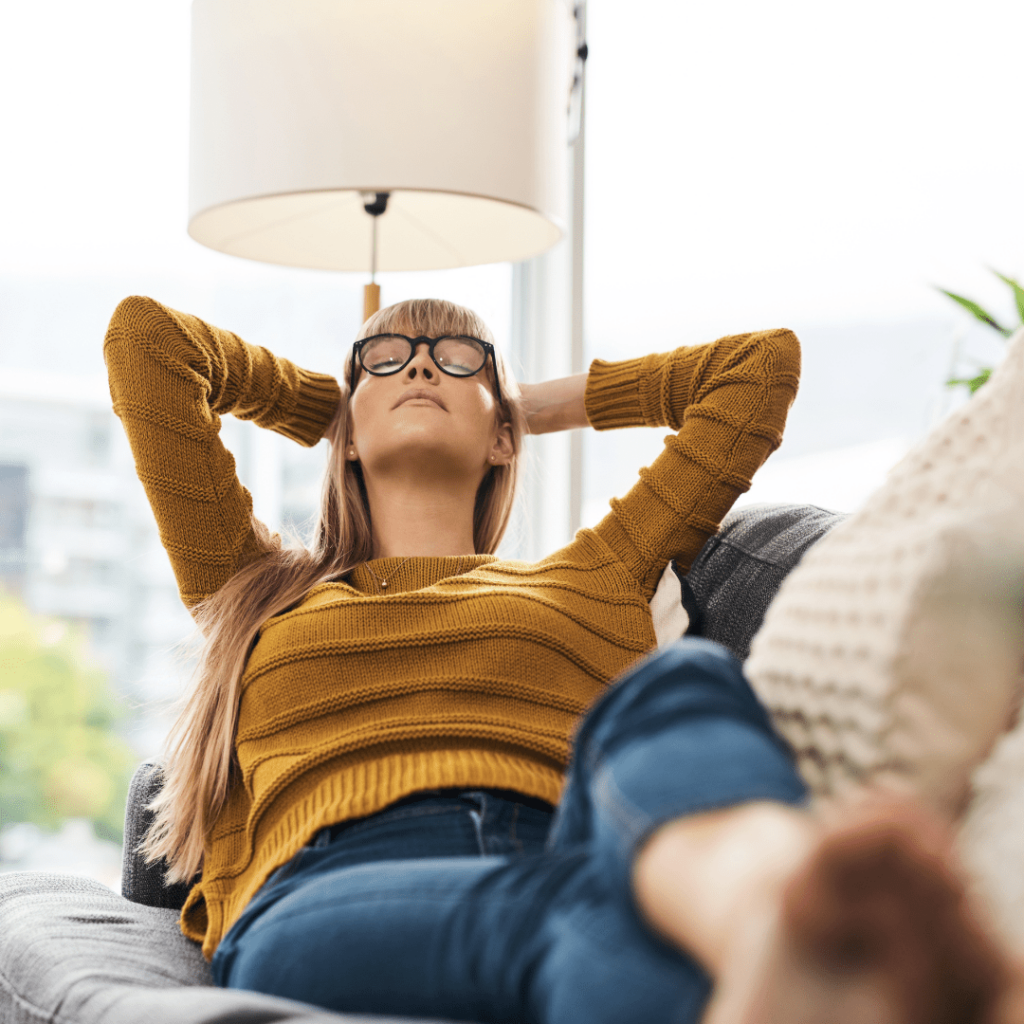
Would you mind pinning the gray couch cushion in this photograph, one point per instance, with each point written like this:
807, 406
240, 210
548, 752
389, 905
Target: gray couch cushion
73, 952
739, 570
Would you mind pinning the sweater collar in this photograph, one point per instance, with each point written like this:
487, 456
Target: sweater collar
405, 574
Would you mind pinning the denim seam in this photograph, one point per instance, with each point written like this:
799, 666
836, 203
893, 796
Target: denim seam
633, 821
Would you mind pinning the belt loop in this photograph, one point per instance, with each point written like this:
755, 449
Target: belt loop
478, 815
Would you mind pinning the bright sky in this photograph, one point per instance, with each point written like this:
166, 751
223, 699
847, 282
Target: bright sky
748, 162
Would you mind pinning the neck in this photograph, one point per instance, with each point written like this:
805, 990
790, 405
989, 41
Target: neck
420, 518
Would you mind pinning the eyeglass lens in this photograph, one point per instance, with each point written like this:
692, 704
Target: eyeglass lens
461, 357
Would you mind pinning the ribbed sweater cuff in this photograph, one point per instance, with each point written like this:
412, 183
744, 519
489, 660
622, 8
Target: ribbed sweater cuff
612, 398
628, 393
316, 400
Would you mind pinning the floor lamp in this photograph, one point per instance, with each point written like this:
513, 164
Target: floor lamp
366, 135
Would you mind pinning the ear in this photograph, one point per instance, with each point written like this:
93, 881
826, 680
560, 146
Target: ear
501, 452
350, 453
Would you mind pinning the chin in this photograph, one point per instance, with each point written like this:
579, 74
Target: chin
415, 453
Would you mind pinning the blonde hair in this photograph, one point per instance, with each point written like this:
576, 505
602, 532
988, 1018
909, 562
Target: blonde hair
201, 765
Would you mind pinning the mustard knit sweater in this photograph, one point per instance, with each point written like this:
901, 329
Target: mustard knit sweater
470, 671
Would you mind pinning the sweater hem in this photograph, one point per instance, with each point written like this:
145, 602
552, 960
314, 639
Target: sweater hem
343, 794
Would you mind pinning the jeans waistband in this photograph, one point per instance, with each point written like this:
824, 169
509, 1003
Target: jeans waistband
325, 835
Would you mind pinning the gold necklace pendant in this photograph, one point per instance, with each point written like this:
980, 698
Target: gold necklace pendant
383, 584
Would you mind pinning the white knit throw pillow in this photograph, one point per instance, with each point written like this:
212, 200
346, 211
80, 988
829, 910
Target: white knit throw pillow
894, 653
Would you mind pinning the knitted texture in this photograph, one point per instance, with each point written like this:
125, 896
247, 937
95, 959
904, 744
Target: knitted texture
469, 671
893, 653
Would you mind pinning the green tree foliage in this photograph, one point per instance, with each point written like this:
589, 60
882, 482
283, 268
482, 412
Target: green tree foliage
981, 314
59, 754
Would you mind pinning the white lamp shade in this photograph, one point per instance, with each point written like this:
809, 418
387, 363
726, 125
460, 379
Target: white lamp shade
455, 107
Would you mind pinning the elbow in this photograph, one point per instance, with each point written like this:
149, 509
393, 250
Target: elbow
784, 348
774, 357
135, 317
769, 361
129, 313
765, 354
137, 327
119, 331
780, 362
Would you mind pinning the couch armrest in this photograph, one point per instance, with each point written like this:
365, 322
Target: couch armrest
142, 882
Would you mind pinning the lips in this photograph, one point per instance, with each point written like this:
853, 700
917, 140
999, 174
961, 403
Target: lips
421, 393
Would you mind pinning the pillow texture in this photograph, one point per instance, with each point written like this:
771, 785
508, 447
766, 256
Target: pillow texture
894, 653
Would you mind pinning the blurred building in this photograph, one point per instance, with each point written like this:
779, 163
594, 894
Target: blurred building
13, 525
78, 540
74, 850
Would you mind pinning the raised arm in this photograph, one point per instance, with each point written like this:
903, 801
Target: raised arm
171, 377
728, 401
553, 405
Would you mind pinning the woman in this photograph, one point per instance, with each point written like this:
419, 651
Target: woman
367, 771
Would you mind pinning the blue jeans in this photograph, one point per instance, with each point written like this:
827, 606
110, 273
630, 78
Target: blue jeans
474, 906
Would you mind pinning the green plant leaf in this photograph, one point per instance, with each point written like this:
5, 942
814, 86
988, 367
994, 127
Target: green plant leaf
971, 383
975, 310
1018, 292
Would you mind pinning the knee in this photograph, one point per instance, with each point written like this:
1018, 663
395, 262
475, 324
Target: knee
690, 654
689, 669
690, 677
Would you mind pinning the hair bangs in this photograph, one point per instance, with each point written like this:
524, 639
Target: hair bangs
426, 317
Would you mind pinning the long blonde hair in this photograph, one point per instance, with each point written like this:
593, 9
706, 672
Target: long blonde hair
201, 764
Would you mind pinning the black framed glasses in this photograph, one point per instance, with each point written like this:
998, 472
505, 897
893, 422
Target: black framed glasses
458, 355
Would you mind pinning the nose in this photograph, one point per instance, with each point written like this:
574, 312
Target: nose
421, 364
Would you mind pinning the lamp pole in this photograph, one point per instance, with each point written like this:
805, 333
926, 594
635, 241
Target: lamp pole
375, 204
576, 329
547, 341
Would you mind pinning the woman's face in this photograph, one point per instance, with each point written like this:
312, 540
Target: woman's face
422, 421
